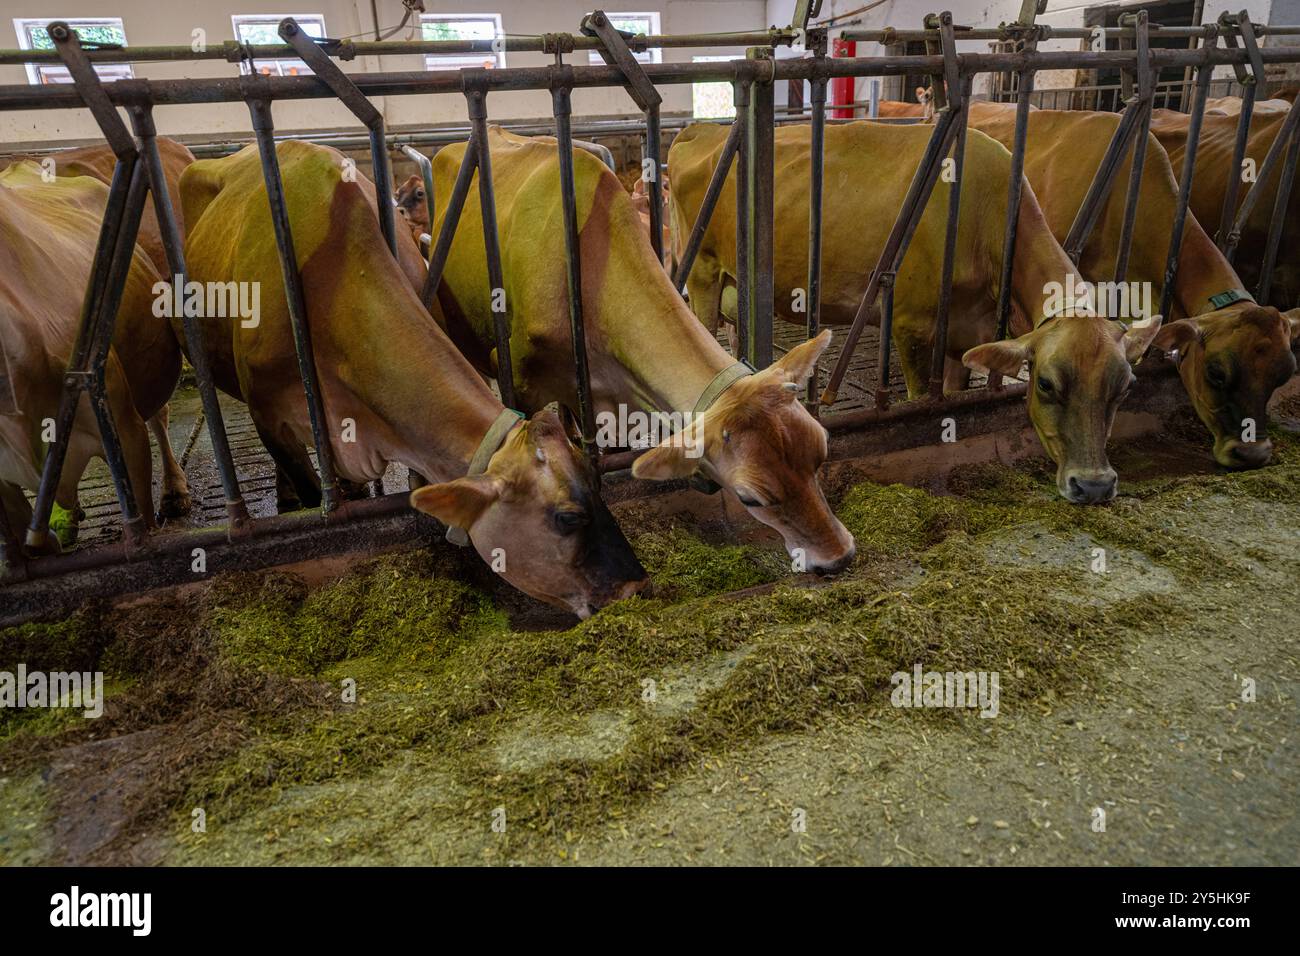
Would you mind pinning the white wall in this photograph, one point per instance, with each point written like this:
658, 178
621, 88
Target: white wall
161, 22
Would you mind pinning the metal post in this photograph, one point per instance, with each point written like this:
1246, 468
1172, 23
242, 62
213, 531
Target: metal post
651, 162
816, 177
561, 101
949, 247
1025, 90
1263, 175
1142, 134
1250, 75
477, 100
760, 130
1197, 114
174, 246
744, 159
886, 336
295, 300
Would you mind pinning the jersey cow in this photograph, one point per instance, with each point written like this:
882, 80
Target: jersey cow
48, 232
1080, 365
392, 380
647, 353
1231, 356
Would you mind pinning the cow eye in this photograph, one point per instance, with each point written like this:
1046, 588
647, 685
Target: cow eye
749, 501
1215, 375
567, 522
1045, 386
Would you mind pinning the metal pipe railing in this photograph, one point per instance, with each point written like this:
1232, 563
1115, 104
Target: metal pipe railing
749, 141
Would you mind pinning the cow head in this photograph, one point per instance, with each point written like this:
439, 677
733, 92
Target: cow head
760, 443
1080, 368
1231, 361
535, 516
411, 205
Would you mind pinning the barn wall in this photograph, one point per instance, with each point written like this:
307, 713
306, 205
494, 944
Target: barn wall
149, 22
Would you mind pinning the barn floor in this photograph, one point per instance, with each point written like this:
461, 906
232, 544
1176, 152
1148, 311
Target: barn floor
1120, 691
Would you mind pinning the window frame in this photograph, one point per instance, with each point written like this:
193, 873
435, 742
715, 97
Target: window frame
654, 28
37, 73
460, 61
305, 20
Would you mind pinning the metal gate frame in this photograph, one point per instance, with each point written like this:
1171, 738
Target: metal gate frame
750, 142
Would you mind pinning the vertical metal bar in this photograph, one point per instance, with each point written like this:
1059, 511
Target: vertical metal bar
1014, 192
174, 246
264, 130
492, 245
651, 157
1280, 203
744, 159
1197, 114
760, 132
1099, 190
816, 177
886, 336
1145, 94
1233, 186
447, 233
383, 172
1263, 176
702, 219
562, 107
949, 249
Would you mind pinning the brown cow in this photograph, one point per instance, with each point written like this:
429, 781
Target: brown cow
1080, 364
411, 205
394, 387
1063, 149
51, 226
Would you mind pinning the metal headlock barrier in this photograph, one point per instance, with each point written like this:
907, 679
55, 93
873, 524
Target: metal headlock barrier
749, 146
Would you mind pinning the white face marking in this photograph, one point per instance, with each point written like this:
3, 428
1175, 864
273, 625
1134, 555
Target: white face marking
541, 456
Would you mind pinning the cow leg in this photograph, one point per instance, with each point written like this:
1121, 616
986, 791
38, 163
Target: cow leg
175, 501
67, 514
296, 483
914, 355
15, 516
956, 377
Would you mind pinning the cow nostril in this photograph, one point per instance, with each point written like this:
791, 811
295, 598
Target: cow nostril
1252, 454
836, 564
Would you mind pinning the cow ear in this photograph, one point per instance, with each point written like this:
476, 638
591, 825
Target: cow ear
1177, 336
1138, 338
1292, 317
665, 462
1005, 357
459, 503
800, 361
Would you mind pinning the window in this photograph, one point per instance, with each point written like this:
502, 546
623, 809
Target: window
712, 100
33, 36
466, 26
646, 24
263, 29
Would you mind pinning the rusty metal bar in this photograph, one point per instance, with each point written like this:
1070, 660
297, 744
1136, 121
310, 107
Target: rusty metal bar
1142, 134
1263, 175
1197, 114
759, 209
744, 159
1250, 74
295, 299
477, 100
1015, 190
816, 182
949, 246
563, 110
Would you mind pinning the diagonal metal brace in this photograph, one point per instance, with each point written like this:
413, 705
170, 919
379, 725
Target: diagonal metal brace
341, 85
614, 50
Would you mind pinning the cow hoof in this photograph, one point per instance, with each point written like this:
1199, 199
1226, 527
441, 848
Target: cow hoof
174, 504
65, 524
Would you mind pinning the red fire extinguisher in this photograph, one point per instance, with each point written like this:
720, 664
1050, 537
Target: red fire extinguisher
842, 86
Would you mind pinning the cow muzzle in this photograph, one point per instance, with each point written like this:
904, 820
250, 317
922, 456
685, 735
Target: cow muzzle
1090, 487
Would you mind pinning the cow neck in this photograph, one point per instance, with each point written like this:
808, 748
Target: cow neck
438, 424
1203, 274
670, 356
1038, 264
